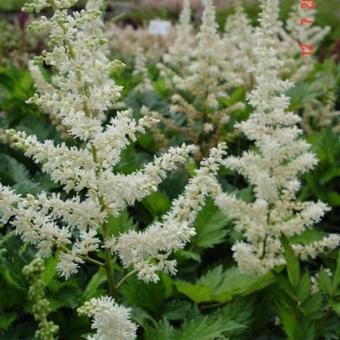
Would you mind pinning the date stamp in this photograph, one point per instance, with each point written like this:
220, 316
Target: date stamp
307, 49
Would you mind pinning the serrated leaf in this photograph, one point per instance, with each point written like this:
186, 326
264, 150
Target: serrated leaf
177, 310
221, 286
207, 328
210, 226
120, 224
201, 327
162, 331
240, 311
212, 278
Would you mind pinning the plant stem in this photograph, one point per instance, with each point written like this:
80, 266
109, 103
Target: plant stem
85, 258
94, 261
124, 278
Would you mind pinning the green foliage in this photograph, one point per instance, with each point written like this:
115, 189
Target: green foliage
323, 182
11, 5
209, 299
221, 286
228, 322
293, 266
210, 227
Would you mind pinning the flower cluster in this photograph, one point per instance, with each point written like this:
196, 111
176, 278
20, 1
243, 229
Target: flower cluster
124, 40
272, 167
238, 43
206, 68
110, 320
148, 251
76, 222
199, 76
78, 95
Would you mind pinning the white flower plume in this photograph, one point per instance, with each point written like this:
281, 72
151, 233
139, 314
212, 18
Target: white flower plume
273, 167
78, 95
110, 321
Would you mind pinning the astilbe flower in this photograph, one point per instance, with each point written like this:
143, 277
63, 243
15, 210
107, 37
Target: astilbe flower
110, 320
272, 168
207, 78
289, 35
79, 94
125, 39
203, 68
76, 222
148, 251
180, 52
238, 44
141, 70
199, 76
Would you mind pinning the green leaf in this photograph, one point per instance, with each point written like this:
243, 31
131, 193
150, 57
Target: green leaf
207, 328
211, 226
200, 327
325, 281
150, 297
236, 283
177, 309
336, 278
120, 224
212, 278
286, 286
308, 236
92, 288
157, 203
239, 310
221, 286
195, 292
50, 269
6, 319
335, 305
312, 304
293, 266
289, 321
162, 331
189, 255
304, 287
